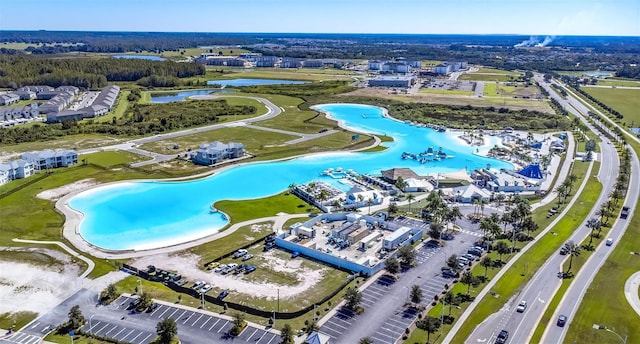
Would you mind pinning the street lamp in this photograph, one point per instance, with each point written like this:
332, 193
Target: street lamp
602, 327
140, 282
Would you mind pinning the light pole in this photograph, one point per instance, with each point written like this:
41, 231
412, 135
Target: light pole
602, 327
140, 282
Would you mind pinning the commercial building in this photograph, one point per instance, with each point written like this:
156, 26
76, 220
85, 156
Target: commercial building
450, 66
215, 152
393, 81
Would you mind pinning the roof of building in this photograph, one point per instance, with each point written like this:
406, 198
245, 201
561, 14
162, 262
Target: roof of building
470, 191
532, 171
394, 173
317, 338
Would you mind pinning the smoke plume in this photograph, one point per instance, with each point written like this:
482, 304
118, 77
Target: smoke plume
534, 41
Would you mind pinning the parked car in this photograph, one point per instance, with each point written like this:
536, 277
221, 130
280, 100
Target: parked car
502, 337
295, 254
197, 285
562, 319
212, 265
521, 306
223, 294
468, 256
152, 307
247, 256
229, 268
239, 253
449, 273
463, 260
249, 269
206, 288
269, 246
474, 251
220, 267
609, 241
462, 266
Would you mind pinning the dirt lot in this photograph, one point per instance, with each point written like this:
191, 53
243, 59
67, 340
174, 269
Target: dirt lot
515, 104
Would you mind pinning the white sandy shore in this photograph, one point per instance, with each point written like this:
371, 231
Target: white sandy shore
57, 193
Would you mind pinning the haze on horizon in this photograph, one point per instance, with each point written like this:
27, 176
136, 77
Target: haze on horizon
526, 17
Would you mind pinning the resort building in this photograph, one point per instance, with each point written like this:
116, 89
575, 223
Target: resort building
209, 154
15, 169
392, 81
48, 158
352, 241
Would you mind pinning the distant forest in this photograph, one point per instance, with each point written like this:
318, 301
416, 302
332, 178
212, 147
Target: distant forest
20, 70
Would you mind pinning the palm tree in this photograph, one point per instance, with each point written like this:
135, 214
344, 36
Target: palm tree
562, 193
571, 179
401, 184
454, 214
486, 263
286, 334
483, 202
416, 294
468, 279
428, 324
500, 198
365, 340
449, 298
594, 224
573, 250
370, 203
502, 248
410, 198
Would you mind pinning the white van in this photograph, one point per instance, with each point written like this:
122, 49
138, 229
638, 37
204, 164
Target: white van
609, 242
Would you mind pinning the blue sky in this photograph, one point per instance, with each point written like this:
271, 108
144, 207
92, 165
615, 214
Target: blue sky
538, 17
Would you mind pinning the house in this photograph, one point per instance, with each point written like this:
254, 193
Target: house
9, 98
16, 169
69, 89
215, 152
25, 95
36, 88
58, 102
48, 158
65, 115
317, 338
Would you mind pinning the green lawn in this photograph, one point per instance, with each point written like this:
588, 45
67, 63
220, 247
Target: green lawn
512, 280
121, 107
486, 77
77, 142
449, 92
244, 210
17, 320
618, 82
627, 101
303, 74
485, 70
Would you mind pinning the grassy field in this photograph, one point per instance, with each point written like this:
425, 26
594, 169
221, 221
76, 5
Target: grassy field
23, 46
449, 92
77, 142
285, 202
512, 280
618, 82
485, 70
17, 320
627, 101
120, 108
486, 77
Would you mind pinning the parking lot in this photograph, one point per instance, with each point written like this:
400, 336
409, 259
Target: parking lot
21, 338
394, 327
188, 320
104, 328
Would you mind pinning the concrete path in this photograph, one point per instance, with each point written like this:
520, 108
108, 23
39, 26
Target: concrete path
64, 246
631, 291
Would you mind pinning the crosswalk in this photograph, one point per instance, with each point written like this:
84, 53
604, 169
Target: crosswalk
21, 338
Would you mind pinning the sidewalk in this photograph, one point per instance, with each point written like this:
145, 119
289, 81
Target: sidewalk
631, 291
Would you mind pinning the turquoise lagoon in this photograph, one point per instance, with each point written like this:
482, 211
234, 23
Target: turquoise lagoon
151, 214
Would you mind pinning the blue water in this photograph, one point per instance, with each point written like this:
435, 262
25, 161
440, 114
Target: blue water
180, 96
254, 82
141, 57
143, 215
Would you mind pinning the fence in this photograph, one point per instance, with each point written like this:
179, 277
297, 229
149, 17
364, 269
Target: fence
237, 306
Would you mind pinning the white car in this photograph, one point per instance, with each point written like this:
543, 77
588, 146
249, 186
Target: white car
521, 306
220, 267
247, 256
206, 288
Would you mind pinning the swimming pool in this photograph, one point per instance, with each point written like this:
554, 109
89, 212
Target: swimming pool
145, 215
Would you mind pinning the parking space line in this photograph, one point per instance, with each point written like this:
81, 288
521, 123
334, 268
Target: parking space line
272, 338
329, 329
165, 311
341, 320
136, 337
174, 312
128, 334
392, 325
156, 310
214, 324
102, 328
393, 340
116, 335
189, 317
145, 338
114, 327
254, 332
338, 325
225, 325
201, 315
386, 331
180, 316
91, 326
204, 323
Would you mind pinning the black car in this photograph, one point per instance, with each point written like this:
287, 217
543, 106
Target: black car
449, 273
223, 294
562, 319
502, 337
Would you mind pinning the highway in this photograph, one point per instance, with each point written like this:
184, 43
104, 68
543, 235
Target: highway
573, 296
545, 282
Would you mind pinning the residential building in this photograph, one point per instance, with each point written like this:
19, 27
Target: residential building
215, 152
290, 62
443, 69
36, 88
396, 67
15, 169
65, 115
375, 65
107, 96
236, 62
18, 113
9, 98
69, 89
48, 158
266, 61
57, 103
25, 95
313, 64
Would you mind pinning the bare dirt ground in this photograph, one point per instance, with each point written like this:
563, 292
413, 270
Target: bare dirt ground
187, 265
37, 288
515, 104
57, 193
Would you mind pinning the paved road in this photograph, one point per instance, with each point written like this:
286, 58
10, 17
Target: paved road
479, 91
541, 289
570, 302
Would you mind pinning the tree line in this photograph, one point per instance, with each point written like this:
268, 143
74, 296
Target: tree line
140, 120
20, 70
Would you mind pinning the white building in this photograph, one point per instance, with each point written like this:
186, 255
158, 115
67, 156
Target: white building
48, 158
15, 169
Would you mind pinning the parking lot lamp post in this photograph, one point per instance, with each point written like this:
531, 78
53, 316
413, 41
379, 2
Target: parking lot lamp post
601, 327
202, 298
140, 282
444, 302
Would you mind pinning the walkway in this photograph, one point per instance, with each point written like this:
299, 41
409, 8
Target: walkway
631, 291
90, 264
